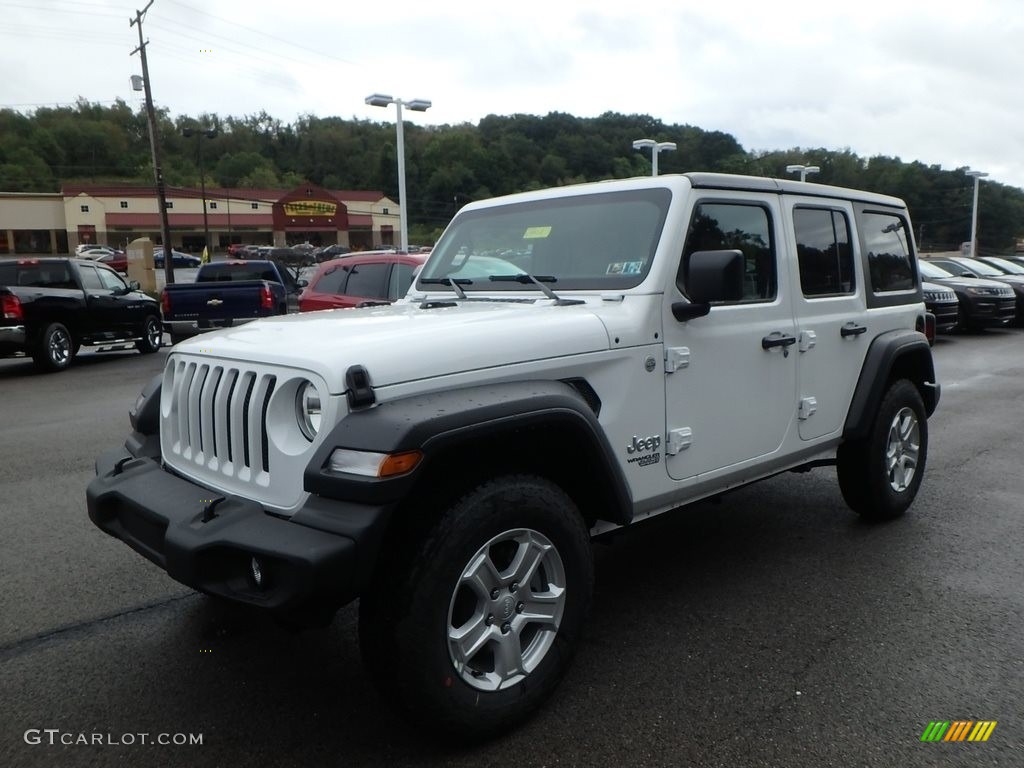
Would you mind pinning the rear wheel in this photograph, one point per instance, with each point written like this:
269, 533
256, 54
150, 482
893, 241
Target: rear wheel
472, 629
152, 335
880, 475
55, 349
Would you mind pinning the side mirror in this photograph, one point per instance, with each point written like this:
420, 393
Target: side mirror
711, 276
715, 276
134, 285
685, 310
301, 283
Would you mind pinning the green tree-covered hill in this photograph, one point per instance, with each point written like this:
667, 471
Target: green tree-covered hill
450, 165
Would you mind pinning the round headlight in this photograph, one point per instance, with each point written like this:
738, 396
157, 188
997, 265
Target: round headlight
307, 410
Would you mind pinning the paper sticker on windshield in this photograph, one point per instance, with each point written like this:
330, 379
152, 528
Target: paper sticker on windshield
536, 233
625, 268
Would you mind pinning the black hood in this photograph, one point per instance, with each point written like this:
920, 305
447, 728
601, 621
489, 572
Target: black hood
967, 282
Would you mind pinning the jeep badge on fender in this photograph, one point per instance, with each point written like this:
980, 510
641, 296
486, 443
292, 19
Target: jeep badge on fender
446, 460
640, 444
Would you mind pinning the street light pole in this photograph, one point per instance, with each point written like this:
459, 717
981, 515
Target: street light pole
403, 212
978, 175
417, 105
656, 147
803, 170
208, 133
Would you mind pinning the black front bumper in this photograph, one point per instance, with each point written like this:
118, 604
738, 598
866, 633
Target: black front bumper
990, 310
309, 564
946, 313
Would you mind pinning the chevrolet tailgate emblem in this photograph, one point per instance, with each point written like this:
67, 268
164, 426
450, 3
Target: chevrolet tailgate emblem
214, 302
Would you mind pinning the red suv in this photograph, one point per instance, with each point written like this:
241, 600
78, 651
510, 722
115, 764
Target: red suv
351, 281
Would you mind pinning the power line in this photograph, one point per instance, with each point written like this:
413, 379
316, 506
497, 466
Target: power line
229, 46
43, 9
58, 105
233, 24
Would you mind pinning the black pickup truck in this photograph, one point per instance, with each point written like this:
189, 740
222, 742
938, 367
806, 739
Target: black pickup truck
49, 308
229, 293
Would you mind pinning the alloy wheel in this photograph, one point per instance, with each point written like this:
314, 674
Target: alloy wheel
902, 450
505, 609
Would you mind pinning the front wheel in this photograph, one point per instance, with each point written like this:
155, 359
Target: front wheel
55, 349
880, 475
152, 336
472, 630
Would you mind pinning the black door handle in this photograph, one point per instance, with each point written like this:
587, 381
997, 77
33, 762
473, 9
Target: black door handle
777, 339
852, 329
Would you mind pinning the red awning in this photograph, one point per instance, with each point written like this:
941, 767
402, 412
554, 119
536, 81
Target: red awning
191, 220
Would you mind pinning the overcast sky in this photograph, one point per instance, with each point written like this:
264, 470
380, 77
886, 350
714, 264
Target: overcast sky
926, 80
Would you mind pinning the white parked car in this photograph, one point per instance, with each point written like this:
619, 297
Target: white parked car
94, 251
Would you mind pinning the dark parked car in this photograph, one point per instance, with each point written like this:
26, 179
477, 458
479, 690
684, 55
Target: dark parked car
361, 279
247, 252
49, 308
983, 303
331, 252
295, 256
962, 266
179, 260
1008, 265
942, 302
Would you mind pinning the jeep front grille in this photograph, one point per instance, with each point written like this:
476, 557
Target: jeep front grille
218, 419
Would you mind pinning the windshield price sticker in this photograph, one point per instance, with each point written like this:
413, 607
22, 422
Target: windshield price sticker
536, 233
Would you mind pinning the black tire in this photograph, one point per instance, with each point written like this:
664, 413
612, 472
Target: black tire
55, 349
870, 485
406, 619
152, 335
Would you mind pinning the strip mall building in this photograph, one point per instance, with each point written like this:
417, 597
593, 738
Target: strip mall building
54, 223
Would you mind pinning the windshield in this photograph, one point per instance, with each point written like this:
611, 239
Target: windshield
1007, 266
980, 268
933, 270
602, 241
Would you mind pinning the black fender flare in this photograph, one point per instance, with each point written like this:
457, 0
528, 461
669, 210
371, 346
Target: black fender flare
475, 416
903, 351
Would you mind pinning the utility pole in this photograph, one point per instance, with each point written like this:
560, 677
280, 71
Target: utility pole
154, 145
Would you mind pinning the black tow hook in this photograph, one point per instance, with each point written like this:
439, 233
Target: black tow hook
210, 509
119, 467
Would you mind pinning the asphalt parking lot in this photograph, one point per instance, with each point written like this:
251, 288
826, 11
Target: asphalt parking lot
772, 628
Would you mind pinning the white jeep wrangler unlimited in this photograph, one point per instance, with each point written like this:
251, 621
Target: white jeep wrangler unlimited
567, 362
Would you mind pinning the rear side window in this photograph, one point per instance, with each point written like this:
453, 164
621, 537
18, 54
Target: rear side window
44, 275
367, 280
734, 226
332, 281
887, 245
823, 251
90, 280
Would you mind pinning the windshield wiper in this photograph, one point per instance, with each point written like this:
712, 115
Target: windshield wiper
451, 282
525, 278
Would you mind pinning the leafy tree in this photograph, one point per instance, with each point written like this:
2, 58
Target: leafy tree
449, 165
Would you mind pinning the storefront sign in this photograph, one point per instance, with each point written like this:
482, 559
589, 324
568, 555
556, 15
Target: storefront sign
310, 208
